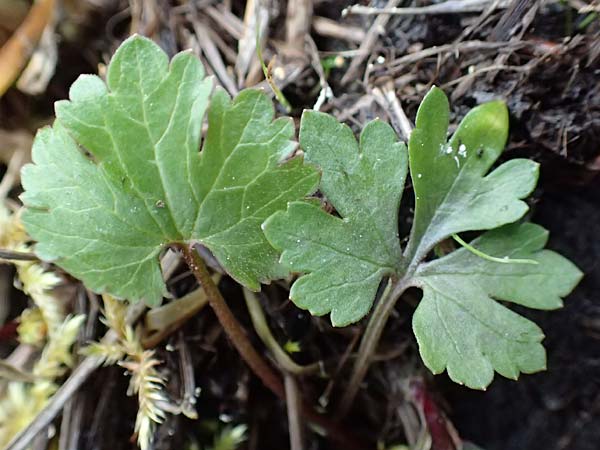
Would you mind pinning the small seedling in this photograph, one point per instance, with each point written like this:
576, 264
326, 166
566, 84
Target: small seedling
119, 178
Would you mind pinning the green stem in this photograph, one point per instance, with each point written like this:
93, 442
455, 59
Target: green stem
262, 329
381, 313
230, 324
268, 74
368, 344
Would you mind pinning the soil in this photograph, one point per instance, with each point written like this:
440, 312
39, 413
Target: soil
549, 75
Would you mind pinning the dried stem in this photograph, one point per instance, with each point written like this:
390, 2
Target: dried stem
294, 406
447, 7
17, 256
15, 52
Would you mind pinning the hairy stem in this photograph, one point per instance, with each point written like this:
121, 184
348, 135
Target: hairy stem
368, 344
230, 324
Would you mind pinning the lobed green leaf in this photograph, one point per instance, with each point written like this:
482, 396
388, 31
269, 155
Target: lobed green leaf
461, 327
346, 257
119, 176
452, 191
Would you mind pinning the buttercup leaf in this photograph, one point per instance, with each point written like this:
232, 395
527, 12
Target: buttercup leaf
347, 257
119, 176
461, 327
452, 191
459, 324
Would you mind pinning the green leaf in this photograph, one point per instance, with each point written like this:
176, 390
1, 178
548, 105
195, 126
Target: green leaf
452, 191
461, 327
459, 324
119, 176
346, 257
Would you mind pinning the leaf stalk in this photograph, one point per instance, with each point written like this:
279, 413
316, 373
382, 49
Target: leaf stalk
257, 364
230, 324
261, 327
504, 260
368, 344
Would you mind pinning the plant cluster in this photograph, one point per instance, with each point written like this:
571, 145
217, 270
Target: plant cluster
119, 178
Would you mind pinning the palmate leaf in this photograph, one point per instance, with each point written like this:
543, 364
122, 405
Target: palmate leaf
347, 257
119, 176
459, 325
452, 191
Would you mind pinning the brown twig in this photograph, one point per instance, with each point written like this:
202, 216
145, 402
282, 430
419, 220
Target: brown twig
398, 64
333, 29
188, 401
297, 24
256, 21
294, 406
511, 19
386, 97
211, 52
13, 172
17, 256
325, 93
447, 7
228, 21
513, 26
